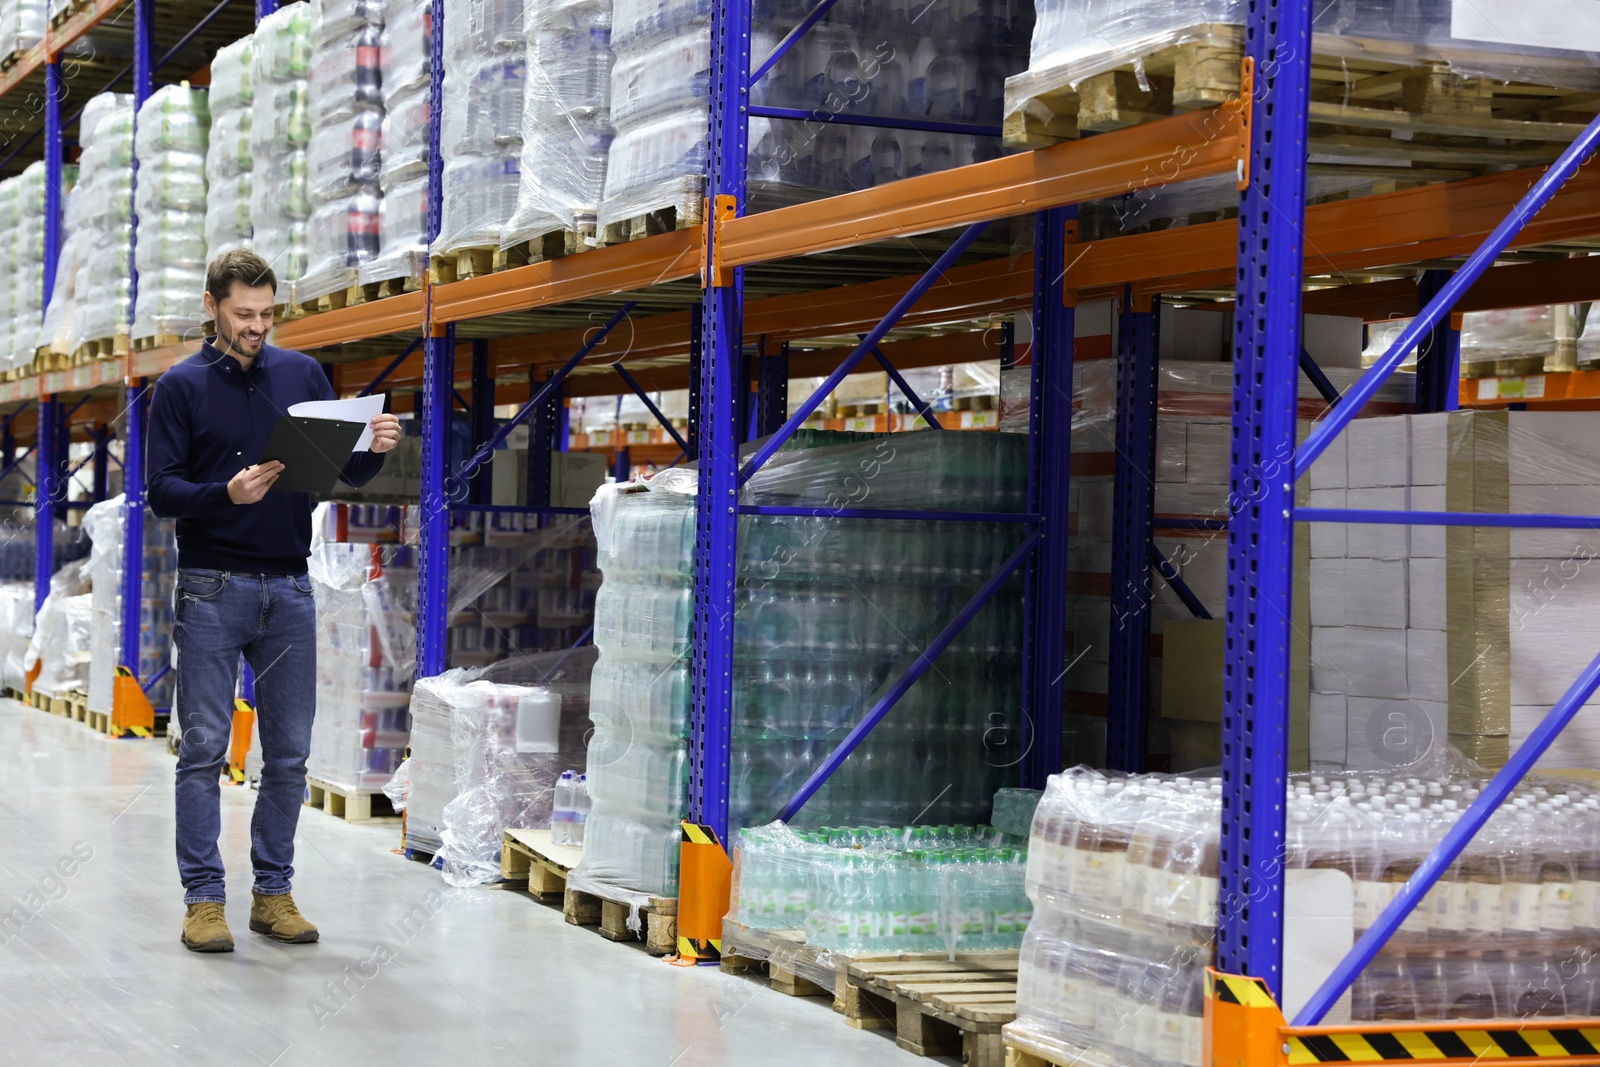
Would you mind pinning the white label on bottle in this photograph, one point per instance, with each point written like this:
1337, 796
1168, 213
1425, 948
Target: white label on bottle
1368, 903
1203, 900
1169, 1045
1586, 905
1452, 913
1485, 907
1555, 907
1089, 879
1146, 1031
1522, 906
1178, 895
1078, 1001
1107, 1014
1116, 875
1194, 1040
1417, 921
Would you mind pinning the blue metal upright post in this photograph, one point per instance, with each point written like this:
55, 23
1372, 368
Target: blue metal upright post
543, 443
437, 415
482, 491
49, 464
721, 376
1256, 654
1049, 472
265, 8
772, 388
1439, 354
133, 435
54, 89
1134, 495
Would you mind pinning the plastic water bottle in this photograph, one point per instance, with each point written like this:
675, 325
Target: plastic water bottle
564, 812
580, 809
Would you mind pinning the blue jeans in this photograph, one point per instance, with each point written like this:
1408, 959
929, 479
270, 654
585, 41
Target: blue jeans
273, 621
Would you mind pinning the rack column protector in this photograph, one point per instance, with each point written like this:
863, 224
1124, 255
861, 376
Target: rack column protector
1256, 650
720, 374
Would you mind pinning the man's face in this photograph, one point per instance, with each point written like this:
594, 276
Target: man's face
243, 318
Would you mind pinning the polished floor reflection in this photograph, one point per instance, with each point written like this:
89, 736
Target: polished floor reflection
409, 971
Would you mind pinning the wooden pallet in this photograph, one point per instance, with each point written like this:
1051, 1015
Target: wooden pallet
790, 966
77, 707
557, 244
462, 264
682, 215
61, 18
1030, 1050
98, 721
157, 340
100, 348
1369, 99
936, 1007
367, 292
342, 802
658, 919
530, 859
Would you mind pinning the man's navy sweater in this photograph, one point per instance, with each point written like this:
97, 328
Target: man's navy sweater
209, 420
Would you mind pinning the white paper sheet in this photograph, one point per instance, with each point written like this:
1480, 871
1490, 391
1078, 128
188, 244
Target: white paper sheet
360, 409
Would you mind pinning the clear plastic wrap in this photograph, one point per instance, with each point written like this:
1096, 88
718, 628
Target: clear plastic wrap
829, 613
59, 645
403, 171
55, 330
1122, 872
866, 890
22, 223
105, 525
229, 156
567, 118
103, 201
22, 25
16, 631
345, 152
1076, 39
170, 203
280, 130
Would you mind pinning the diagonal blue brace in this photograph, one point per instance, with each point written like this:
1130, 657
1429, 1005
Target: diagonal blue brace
814, 16
1450, 848
1318, 379
14, 464
870, 341
6, 425
1549, 183
904, 683
905, 389
638, 391
850, 118
484, 454
393, 366
1170, 575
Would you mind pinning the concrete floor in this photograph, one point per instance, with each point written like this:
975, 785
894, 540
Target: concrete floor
92, 972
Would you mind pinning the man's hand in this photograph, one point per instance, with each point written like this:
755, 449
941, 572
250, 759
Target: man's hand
252, 483
385, 432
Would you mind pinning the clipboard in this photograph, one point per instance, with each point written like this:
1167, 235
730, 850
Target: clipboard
313, 452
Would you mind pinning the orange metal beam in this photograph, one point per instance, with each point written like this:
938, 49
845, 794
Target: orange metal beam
1188, 146
623, 268
357, 322
1409, 226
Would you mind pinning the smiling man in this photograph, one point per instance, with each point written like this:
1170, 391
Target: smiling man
242, 588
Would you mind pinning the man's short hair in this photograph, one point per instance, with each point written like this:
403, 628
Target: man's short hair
239, 265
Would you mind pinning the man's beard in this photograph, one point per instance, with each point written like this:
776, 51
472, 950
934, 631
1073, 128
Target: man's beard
239, 344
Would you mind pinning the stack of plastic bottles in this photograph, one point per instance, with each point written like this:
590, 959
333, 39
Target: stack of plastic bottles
343, 158
1123, 874
943, 62
170, 139
106, 525
570, 815
280, 130
883, 889
829, 613
481, 133
406, 59
1013, 810
55, 328
363, 691
228, 160
22, 218
104, 208
22, 25
567, 118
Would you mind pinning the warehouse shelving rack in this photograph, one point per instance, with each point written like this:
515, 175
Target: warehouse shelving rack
708, 292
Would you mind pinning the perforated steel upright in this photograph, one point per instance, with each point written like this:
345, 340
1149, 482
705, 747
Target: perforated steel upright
720, 368
1255, 731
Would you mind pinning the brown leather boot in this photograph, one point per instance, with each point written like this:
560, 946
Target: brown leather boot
279, 919
205, 928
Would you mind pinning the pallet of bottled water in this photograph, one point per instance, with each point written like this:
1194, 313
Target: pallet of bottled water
861, 890
1123, 877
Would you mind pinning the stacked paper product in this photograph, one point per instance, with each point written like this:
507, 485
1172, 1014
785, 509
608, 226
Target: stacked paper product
229, 163
104, 203
170, 138
343, 158
406, 63
22, 222
280, 130
106, 525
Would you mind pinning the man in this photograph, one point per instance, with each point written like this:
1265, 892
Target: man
242, 587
